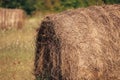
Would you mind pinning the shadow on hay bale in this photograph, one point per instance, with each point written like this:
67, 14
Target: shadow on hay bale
81, 44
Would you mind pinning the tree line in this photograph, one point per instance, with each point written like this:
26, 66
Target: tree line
52, 5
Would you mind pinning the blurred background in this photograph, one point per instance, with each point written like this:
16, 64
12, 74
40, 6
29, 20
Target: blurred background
31, 6
19, 23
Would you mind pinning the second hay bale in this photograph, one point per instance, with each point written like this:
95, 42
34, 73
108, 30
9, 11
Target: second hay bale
11, 18
82, 44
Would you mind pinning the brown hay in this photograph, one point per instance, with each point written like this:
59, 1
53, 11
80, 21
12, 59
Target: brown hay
11, 18
81, 44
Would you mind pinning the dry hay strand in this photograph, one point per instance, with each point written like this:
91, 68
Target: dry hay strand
81, 44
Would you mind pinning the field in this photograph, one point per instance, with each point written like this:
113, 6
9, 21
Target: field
17, 48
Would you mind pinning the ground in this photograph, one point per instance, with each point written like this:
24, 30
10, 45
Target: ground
17, 49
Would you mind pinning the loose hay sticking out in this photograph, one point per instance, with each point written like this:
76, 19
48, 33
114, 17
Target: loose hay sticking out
81, 44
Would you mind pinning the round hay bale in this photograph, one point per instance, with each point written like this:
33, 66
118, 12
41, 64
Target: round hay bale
81, 44
12, 18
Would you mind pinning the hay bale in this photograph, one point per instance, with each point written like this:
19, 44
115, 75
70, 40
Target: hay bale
10, 18
81, 44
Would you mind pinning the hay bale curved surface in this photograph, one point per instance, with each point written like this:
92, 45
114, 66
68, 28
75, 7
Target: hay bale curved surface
81, 44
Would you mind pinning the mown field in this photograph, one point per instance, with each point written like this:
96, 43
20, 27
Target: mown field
17, 49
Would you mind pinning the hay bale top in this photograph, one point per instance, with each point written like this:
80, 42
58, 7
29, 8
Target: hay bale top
14, 11
73, 21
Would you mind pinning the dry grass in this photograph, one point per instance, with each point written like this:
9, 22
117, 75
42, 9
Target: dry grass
81, 44
17, 52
